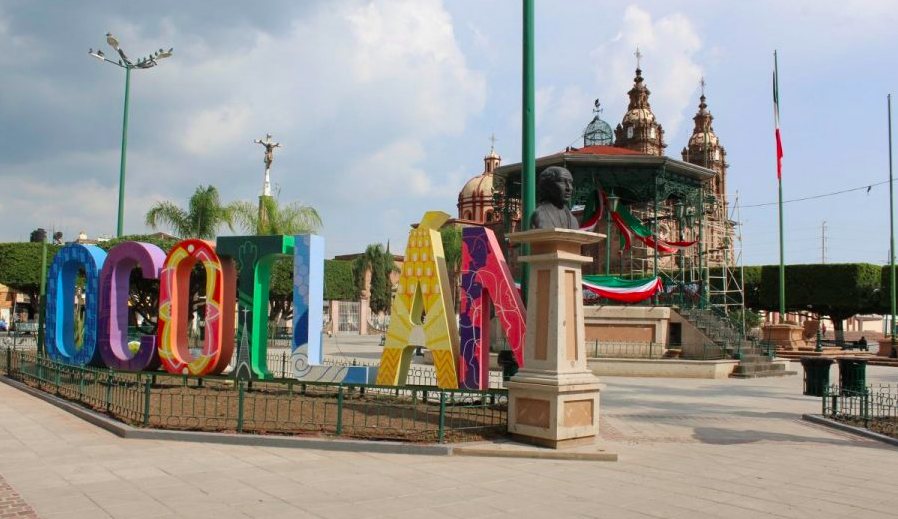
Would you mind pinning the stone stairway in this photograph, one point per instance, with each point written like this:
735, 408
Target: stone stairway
753, 365
753, 361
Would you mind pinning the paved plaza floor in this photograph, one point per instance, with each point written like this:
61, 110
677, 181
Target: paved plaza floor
688, 449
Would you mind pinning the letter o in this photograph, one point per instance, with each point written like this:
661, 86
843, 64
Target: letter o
60, 340
174, 291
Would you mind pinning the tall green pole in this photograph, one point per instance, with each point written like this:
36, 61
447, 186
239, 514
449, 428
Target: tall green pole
891, 225
528, 139
779, 180
43, 304
121, 176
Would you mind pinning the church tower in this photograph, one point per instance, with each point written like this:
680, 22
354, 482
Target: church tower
639, 131
704, 149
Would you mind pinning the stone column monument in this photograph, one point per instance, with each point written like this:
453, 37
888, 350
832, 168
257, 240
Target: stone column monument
554, 400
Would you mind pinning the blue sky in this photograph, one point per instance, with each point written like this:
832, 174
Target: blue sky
385, 108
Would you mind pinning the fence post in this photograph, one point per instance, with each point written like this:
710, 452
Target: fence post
146, 402
239, 407
109, 391
340, 410
81, 385
865, 410
284, 365
9, 361
56, 378
442, 431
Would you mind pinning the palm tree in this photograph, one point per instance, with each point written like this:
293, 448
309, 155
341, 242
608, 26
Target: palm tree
204, 215
293, 218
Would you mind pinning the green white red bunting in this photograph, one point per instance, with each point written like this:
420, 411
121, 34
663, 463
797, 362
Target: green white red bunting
624, 290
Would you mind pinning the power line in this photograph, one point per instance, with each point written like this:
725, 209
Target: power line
868, 187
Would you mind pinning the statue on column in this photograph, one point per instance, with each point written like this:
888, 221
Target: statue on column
554, 190
269, 158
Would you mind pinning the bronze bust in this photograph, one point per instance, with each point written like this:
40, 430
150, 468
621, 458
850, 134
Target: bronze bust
554, 190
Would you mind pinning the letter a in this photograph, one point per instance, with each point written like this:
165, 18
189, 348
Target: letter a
423, 288
485, 280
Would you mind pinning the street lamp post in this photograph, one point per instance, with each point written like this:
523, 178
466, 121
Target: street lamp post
143, 63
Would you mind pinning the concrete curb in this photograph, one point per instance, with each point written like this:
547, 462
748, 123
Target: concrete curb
818, 419
530, 452
128, 432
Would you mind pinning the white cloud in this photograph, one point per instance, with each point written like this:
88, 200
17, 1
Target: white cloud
669, 45
357, 90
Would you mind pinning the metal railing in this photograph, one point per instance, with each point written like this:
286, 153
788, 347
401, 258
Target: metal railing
875, 408
182, 402
624, 350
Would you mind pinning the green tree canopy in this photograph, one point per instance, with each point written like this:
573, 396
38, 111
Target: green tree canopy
379, 263
204, 215
20, 267
451, 236
294, 218
837, 290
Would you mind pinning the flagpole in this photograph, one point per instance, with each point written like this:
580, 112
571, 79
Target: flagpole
891, 227
779, 179
528, 139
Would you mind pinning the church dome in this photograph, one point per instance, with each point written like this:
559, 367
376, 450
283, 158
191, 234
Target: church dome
475, 200
597, 132
479, 186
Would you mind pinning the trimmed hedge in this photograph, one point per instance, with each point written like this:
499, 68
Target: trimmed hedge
838, 290
339, 284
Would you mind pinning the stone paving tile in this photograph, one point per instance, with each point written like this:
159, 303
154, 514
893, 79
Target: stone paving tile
688, 448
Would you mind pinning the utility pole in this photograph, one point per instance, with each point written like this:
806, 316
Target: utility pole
823, 243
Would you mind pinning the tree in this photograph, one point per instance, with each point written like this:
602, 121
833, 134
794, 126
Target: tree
452, 244
204, 215
295, 218
20, 267
371, 272
836, 290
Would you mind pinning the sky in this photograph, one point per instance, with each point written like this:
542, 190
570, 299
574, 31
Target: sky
384, 108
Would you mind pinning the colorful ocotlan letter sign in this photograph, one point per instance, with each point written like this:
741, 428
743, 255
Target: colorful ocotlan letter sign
237, 275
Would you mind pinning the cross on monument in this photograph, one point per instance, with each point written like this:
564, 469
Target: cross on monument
493, 140
598, 107
638, 56
269, 158
702, 83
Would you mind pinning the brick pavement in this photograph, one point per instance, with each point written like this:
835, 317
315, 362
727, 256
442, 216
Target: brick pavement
688, 449
11, 503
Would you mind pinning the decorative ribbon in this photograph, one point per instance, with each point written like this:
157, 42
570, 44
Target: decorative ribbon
624, 290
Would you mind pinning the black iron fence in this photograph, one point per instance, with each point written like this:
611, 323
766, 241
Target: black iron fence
286, 406
874, 408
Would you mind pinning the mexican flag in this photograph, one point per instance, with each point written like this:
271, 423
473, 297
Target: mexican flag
776, 121
594, 210
624, 290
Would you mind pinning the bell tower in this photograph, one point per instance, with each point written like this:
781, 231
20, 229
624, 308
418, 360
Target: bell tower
639, 131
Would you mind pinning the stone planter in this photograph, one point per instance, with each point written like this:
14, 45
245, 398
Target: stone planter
885, 347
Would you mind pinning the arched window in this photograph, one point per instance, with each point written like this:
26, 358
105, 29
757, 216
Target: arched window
629, 132
652, 132
489, 216
467, 215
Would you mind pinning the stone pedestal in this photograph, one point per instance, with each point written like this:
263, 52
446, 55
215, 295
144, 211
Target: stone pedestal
885, 347
786, 336
553, 400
